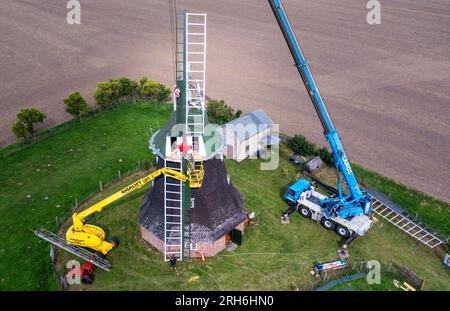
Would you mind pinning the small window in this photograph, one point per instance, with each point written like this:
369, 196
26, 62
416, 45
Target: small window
193, 246
247, 150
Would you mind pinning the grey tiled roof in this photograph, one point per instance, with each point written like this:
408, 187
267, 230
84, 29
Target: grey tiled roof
252, 122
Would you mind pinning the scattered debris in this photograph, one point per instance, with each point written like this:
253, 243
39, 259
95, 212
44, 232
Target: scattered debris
231, 246
297, 159
343, 253
406, 287
193, 279
320, 267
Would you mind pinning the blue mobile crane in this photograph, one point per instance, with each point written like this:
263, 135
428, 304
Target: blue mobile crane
348, 214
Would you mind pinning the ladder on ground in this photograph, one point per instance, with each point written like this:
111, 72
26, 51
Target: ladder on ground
173, 213
195, 72
405, 224
74, 249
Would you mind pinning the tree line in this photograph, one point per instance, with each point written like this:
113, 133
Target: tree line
108, 94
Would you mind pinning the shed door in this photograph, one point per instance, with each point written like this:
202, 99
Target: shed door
230, 152
236, 236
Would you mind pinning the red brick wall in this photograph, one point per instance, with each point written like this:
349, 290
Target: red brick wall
152, 239
209, 249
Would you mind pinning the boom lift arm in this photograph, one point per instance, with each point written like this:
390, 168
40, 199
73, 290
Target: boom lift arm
357, 201
93, 237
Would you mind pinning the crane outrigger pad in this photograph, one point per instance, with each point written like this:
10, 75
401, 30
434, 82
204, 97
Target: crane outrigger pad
74, 249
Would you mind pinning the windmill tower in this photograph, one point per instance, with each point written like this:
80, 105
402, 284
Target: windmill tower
173, 216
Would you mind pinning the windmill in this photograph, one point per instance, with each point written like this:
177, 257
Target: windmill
172, 212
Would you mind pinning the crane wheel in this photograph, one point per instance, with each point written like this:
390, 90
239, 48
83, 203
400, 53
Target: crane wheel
305, 212
342, 231
114, 240
327, 223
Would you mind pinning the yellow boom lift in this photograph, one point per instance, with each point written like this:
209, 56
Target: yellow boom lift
81, 234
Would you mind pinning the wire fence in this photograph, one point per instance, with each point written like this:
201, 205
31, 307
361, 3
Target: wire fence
101, 186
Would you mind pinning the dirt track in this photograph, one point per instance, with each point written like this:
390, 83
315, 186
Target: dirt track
387, 86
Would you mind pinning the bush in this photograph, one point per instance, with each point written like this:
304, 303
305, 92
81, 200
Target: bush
142, 81
127, 87
76, 105
301, 146
220, 113
326, 156
154, 90
107, 94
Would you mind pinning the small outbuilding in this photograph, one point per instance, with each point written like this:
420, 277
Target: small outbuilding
314, 164
248, 135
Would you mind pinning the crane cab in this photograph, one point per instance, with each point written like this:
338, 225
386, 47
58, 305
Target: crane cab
295, 191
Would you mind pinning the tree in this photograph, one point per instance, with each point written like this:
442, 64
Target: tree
301, 146
326, 156
19, 130
29, 117
76, 104
220, 113
155, 90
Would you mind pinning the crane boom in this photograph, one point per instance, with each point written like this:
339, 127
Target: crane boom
356, 198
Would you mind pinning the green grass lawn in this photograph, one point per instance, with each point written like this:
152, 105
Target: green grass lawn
272, 257
39, 182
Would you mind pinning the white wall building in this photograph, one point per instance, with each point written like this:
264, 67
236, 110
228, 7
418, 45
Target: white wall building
245, 136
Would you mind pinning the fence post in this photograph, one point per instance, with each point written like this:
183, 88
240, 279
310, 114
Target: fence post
101, 185
120, 175
76, 205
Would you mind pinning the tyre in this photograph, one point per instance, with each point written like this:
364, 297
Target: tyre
87, 279
327, 223
342, 231
305, 212
114, 240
